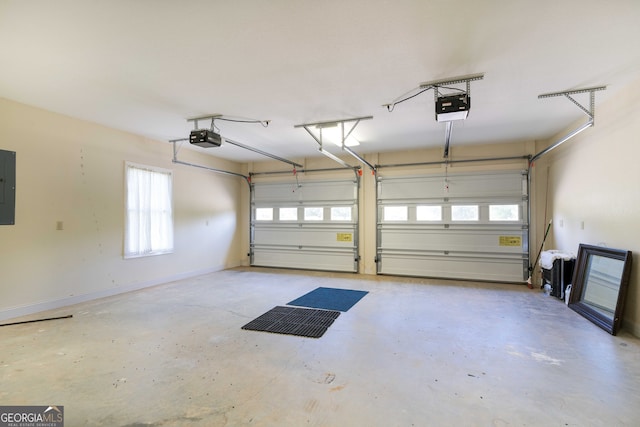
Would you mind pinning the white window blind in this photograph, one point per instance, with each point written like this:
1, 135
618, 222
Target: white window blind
149, 211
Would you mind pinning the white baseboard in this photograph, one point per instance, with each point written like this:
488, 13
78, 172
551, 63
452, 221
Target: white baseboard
76, 299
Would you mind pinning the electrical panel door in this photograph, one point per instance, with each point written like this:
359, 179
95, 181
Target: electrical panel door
7, 187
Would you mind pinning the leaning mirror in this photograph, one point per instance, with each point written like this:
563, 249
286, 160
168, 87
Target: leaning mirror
599, 287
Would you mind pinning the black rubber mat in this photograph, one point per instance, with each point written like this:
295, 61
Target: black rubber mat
304, 322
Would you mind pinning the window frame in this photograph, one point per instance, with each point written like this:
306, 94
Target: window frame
166, 215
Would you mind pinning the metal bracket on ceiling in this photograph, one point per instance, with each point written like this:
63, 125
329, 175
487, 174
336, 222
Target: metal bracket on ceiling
567, 93
211, 117
467, 79
343, 138
591, 112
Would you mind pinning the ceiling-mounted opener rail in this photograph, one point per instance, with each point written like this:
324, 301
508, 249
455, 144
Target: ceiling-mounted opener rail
590, 112
212, 139
448, 108
220, 171
265, 123
343, 138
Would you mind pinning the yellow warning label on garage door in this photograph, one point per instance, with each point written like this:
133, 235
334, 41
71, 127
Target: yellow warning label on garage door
345, 237
510, 241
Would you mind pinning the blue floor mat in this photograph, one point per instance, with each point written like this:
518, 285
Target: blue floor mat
329, 299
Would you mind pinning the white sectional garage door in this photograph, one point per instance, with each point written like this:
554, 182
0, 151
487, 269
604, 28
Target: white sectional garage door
462, 226
310, 225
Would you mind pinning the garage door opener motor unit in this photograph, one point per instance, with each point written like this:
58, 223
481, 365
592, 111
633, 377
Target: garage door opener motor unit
205, 138
453, 107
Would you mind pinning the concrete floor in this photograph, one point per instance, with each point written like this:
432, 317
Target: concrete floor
411, 353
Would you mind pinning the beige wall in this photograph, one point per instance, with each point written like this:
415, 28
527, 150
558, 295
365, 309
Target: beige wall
72, 171
591, 186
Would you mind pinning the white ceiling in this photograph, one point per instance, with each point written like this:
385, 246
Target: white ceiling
147, 66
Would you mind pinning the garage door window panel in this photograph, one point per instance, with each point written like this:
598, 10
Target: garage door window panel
428, 213
264, 214
465, 213
504, 213
396, 213
288, 214
341, 213
313, 214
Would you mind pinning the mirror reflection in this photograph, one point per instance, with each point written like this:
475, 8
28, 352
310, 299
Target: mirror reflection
602, 284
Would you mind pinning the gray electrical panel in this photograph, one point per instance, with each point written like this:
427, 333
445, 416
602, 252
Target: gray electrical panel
7, 187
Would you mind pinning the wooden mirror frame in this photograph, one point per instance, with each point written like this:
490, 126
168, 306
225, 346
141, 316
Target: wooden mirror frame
580, 280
